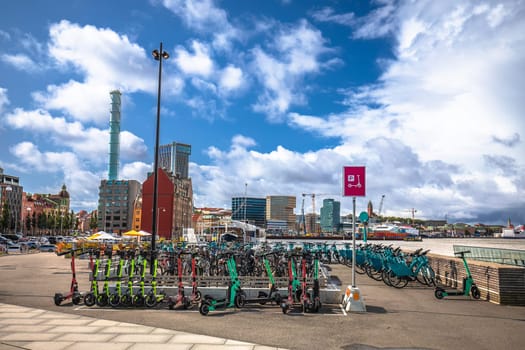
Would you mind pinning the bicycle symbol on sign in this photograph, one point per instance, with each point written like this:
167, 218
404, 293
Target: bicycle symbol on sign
351, 180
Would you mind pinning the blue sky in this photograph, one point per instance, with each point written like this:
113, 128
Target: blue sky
275, 97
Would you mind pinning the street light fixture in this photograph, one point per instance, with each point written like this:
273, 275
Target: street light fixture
158, 55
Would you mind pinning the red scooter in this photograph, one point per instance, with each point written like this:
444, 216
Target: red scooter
73, 293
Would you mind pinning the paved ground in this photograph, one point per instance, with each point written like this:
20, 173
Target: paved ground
29, 328
410, 318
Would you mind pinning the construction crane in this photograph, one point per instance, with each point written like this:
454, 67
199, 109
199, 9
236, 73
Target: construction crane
413, 211
312, 226
381, 205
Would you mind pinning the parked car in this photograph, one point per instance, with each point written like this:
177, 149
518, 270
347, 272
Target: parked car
32, 244
13, 248
47, 248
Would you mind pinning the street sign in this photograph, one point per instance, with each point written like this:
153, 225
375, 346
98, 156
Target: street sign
363, 216
354, 181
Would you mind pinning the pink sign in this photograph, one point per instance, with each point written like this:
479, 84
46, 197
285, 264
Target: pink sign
354, 181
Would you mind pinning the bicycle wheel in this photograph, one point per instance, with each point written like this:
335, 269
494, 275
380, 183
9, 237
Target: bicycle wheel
386, 278
426, 276
397, 281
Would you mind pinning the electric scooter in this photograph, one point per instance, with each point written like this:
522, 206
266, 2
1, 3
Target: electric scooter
195, 296
73, 293
139, 299
103, 298
262, 298
127, 298
311, 298
232, 298
180, 299
294, 290
469, 287
152, 298
91, 297
116, 297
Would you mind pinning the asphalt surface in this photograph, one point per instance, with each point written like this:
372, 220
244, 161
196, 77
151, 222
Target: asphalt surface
409, 318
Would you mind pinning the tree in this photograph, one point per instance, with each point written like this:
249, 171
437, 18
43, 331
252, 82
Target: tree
4, 217
27, 224
94, 221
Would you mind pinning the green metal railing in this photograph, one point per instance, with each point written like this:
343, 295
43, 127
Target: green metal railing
496, 255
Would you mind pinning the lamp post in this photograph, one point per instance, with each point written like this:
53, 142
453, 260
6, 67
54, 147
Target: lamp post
158, 55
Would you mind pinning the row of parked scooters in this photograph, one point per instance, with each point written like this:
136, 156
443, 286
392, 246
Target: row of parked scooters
121, 279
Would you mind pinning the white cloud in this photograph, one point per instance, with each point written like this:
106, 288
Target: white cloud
105, 59
80, 181
198, 63
21, 62
88, 143
298, 50
231, 78
4, 100
205, 17
136, 171
450, 94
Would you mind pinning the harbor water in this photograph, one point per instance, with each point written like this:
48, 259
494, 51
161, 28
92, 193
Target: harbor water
440, 246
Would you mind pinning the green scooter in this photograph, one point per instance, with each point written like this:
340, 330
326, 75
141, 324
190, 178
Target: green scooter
91, 297
469, 287
233, 296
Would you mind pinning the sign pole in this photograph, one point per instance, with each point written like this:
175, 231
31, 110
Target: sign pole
353, 243
354, 184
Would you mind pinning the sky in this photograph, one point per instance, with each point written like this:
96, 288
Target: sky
275, 97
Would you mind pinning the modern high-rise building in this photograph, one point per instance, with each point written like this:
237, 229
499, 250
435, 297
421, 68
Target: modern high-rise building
115, 205
175, 158
330, 216
249, 209
10, 194
281, 208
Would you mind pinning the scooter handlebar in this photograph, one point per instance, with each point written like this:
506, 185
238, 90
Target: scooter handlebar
69, 251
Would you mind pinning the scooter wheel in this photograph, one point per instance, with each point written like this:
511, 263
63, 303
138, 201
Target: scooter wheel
126, 300
186, 303
438, 293
150, 300
474, 291
198, 296
278, 298
102, 300
284, 308
204, 309
240, 300
114, 300
139, 300
76, 298
89, 299
58, 299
